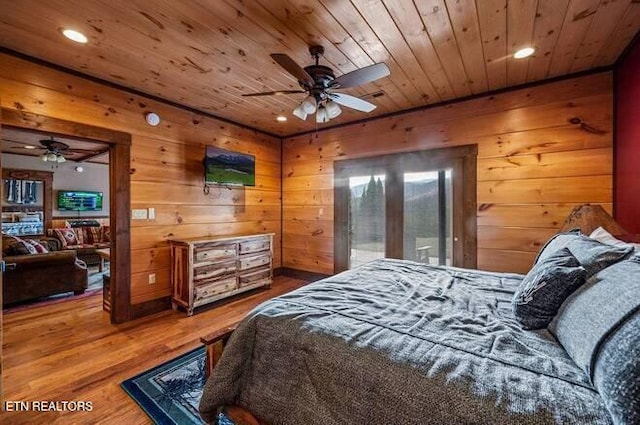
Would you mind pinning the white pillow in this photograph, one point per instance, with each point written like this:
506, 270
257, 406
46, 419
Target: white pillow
603, 236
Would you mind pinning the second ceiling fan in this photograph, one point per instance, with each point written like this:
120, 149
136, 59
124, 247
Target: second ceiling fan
319, 82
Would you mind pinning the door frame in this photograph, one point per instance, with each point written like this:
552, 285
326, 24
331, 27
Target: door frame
119, 191
463, 162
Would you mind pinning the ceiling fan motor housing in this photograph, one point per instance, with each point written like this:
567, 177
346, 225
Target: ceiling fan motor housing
322, 76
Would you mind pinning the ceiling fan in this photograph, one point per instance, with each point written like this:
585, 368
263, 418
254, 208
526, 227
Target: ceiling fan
319, 82
54, 150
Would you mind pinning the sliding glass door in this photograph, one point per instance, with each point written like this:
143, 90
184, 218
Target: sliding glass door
427, 217
417, 206
366, 219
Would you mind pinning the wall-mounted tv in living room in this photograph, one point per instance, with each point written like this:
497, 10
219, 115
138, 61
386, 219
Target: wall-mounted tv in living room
79, 200
222, 166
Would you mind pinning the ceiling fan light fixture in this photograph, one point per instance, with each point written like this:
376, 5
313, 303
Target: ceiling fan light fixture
52, 157
309, 105
44, 157
321, 115
333, 109
300, 112
60, 159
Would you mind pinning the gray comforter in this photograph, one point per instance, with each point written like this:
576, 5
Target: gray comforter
398, 342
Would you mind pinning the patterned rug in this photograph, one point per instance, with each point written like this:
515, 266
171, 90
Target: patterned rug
170, 393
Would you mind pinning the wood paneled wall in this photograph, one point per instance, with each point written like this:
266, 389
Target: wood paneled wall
166, 165
541, 151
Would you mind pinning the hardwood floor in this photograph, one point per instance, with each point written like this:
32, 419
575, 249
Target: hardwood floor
70, 352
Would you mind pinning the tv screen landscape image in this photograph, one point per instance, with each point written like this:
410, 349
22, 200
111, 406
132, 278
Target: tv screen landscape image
222, 166
79, 200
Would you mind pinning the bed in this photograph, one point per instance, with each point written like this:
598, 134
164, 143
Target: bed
401, 342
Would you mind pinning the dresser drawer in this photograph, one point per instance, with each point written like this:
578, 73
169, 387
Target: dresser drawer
211, 290
255, 277
213, 252
252, 261
209, 272
255, 245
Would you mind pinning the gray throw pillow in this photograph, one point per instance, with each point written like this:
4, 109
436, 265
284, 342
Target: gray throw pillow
556, 243
595, 256
596, 309
545, 287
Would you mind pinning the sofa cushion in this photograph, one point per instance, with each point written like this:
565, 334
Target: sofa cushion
596, 310
106, 234
67, 236
545, 287
92, 234
88, 246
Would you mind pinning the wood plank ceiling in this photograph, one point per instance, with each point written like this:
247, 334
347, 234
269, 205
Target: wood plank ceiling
206, 54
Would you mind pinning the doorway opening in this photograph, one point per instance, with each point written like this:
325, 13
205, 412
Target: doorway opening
117, 146
54, 188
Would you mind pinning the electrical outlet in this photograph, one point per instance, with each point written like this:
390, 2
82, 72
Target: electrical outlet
139, 214
152, 278
152, 213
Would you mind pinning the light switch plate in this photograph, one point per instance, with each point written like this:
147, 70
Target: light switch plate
152, 213
139, 214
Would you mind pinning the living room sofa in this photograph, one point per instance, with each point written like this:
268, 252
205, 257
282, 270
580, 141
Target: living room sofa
84, 240
30, 276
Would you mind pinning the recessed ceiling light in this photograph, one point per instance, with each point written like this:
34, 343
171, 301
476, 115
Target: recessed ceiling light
29, 147
74, 35
281, 118
523, 53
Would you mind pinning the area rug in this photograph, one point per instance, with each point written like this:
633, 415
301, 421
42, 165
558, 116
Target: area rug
170, 393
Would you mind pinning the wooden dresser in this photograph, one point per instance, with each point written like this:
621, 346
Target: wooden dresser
205, 270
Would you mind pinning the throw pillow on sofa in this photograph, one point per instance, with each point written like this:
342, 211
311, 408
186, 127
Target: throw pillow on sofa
598, 325
40, 249
545, 287
67, 236
21, 247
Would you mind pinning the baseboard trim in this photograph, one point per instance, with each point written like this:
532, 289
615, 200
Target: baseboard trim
299, 274
150, 307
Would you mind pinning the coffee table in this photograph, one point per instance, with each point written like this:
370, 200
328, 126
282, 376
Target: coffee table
105, 254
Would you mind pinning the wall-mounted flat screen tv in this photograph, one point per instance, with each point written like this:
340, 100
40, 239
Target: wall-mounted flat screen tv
222, 166
79, 200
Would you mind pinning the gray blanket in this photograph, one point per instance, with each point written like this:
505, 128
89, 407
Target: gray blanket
398, 342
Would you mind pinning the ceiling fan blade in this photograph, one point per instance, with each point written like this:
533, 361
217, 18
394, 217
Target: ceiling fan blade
352, 102
361, 76
277, 92
294, 69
